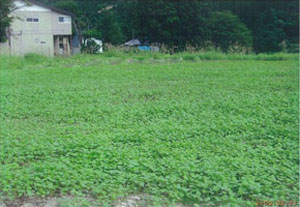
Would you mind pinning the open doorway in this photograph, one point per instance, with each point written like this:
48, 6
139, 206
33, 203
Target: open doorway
62, 45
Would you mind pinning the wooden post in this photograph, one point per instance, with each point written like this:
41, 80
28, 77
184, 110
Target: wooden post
56, 45
66, 44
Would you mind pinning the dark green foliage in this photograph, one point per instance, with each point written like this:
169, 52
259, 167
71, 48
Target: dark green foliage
271, 22
5, 8
273, 33
68, 5
92, 33
193, 27
110, 28
273, 25
227, 30
173, 23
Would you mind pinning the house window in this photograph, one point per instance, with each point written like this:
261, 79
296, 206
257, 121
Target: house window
64, 19
61, 19
32, 20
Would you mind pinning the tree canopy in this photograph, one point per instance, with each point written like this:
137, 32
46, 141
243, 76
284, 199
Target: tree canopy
263, 25
5, 8
227, 30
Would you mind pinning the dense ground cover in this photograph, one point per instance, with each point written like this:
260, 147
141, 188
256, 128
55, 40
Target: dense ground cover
221, 132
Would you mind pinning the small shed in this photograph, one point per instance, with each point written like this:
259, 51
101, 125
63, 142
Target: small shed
133, 43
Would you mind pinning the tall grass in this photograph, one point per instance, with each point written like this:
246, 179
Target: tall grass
196, 56
35, 60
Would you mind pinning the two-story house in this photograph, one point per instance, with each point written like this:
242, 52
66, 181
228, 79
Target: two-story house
37, 28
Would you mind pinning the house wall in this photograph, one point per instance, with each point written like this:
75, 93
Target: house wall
61, 28
34, 37
4, 48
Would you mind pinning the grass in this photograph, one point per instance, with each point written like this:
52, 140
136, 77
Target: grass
210, 55
222, 132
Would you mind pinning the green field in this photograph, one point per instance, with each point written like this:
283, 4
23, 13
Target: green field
190, 128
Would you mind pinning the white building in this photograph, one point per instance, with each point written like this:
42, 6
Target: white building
37, 28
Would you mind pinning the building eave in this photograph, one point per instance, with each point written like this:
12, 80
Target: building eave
49, 7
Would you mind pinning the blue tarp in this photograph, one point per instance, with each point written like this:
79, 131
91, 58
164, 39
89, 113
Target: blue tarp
144, 48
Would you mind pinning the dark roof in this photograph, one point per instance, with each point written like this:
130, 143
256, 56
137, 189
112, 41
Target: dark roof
49, 7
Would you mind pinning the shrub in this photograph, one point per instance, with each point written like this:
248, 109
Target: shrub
190, 57
91, 47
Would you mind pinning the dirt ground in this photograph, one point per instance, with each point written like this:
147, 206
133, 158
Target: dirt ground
141, 200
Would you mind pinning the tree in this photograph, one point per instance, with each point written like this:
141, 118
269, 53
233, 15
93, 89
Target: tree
110, 28
269, 39
228, 30
193, 28
174, 23
68, 5
276, 23
271, 22
5, 19
178, 23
